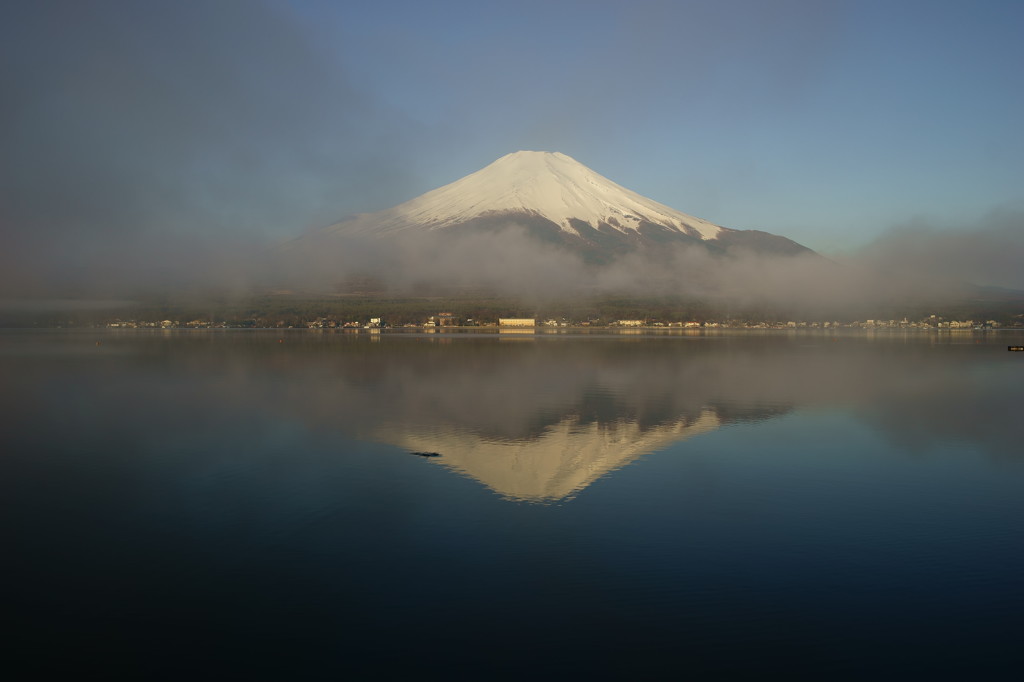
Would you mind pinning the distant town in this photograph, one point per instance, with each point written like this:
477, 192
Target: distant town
447, 320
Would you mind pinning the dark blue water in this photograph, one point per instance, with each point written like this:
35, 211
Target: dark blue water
735, 506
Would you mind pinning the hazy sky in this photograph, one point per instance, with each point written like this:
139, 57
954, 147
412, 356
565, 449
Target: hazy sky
146, 131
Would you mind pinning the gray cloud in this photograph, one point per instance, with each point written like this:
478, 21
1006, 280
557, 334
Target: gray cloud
136, 135
990, 252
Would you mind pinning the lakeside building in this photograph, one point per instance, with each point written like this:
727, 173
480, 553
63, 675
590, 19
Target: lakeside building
517, 322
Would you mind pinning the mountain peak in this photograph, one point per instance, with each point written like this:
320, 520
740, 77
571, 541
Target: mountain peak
550, 185
524, 156
529, 152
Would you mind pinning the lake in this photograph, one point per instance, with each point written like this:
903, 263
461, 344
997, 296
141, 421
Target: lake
300, 504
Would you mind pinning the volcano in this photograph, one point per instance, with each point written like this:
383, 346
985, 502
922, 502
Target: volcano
558, 200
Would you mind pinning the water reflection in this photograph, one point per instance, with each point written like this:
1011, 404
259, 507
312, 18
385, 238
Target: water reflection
562, 459
537, 420
224, 493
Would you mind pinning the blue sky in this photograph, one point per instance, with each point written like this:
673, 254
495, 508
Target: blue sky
128, 122
823, 121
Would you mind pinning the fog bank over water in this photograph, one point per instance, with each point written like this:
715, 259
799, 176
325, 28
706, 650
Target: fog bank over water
909, 263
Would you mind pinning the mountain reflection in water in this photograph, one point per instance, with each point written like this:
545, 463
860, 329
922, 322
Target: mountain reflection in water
539, 418
564, 458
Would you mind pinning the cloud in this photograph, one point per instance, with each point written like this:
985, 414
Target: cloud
512, 260
136, 135
990, 252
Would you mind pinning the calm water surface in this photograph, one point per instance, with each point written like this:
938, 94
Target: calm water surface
317, 505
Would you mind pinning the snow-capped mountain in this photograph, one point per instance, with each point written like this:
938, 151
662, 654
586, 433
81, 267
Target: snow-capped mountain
554, 196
